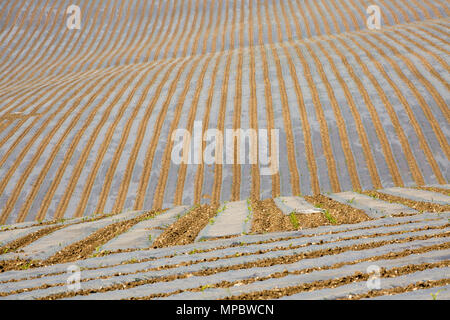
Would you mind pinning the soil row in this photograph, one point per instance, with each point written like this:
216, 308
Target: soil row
420, 206
266, 263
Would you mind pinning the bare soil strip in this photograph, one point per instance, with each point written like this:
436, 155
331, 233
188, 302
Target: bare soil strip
421, 206
124, 185
422, 102
186, 229
342, 213
198, 185
357, 277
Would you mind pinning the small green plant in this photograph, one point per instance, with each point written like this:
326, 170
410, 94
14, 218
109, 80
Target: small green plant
150, 237
351, 200
211, 221
435, 295
294, 220
329, 217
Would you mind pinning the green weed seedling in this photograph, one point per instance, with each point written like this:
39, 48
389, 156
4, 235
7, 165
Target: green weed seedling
435, 295
329, 217
294, 220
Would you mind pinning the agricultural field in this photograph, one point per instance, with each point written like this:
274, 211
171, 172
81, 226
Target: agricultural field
231, 149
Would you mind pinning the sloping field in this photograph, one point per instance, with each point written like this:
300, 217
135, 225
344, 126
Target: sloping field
86, 115
164, 255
